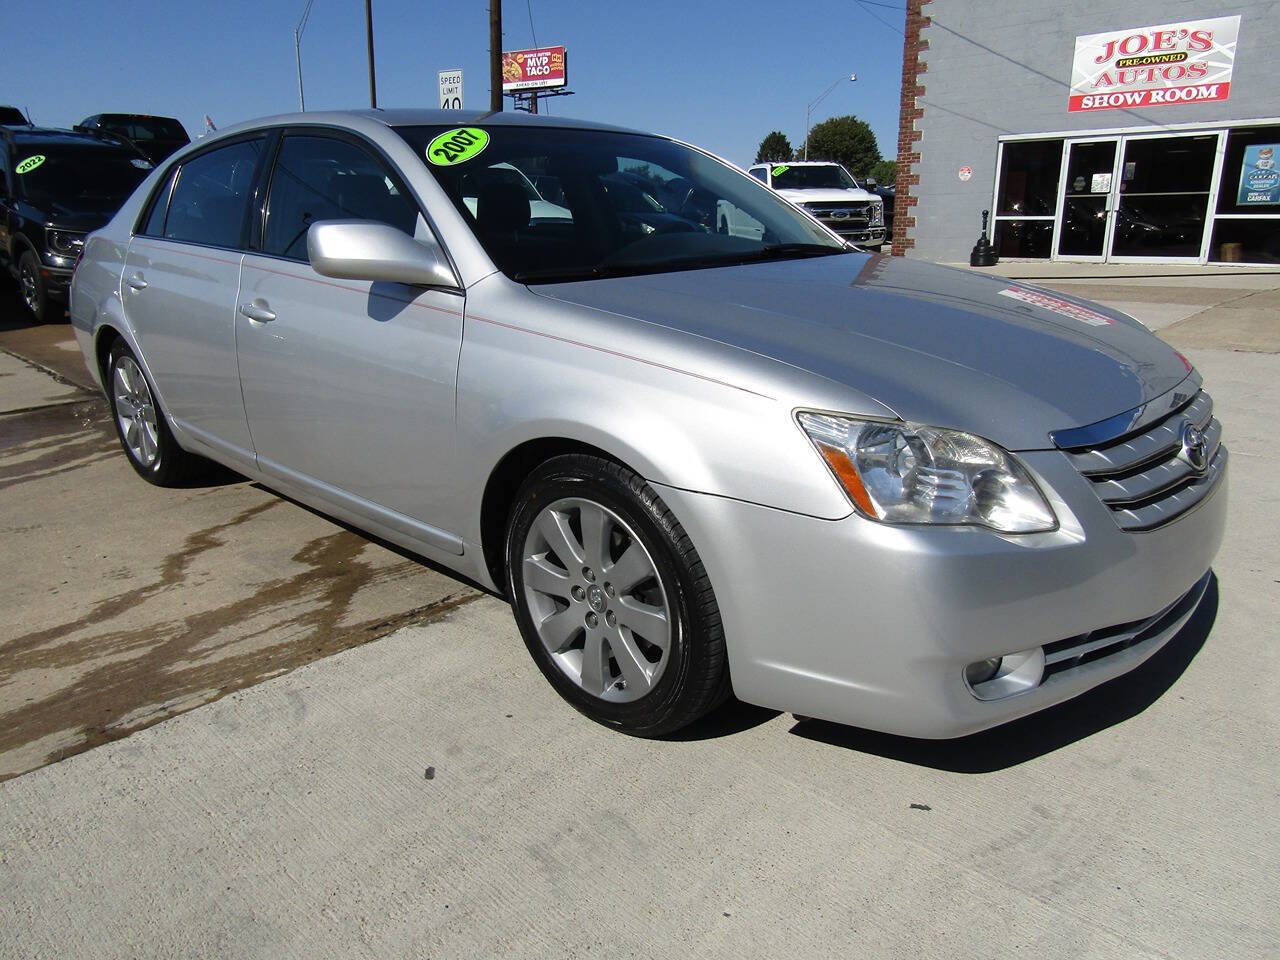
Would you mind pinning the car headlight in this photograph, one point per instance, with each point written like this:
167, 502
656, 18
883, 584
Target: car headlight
877, 214
65, 242
899, 472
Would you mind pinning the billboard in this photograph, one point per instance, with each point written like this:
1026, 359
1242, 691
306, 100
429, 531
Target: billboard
1170, 63
533, 69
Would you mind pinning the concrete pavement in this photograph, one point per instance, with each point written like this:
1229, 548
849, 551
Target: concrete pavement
293, 818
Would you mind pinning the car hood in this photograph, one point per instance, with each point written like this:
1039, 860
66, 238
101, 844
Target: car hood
85, 215
826, 196
936, 345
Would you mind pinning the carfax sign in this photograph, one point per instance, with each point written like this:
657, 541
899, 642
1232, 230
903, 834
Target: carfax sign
1170, 63
1259, 178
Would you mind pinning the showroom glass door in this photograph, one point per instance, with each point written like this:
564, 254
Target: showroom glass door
1088, 189
1162, 196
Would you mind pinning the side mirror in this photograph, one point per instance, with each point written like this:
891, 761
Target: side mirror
368, 250
871, 182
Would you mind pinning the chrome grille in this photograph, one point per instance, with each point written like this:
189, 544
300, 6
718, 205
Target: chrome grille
1146, 478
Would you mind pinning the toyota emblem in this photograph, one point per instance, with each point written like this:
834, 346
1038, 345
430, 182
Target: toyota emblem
1194, 447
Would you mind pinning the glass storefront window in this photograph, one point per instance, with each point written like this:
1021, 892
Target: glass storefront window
1246, 240
1164, 196
1029, 178
1233, 165
1024, 238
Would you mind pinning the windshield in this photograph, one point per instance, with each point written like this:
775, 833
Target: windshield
144, 128
829, 176
610, 204
62, 174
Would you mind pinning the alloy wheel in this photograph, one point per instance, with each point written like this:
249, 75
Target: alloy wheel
596, 600
135, 412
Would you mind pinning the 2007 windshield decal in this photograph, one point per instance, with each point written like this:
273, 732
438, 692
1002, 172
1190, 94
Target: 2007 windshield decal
454, 146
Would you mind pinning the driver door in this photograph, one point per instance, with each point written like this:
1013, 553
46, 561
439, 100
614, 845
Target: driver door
348, 385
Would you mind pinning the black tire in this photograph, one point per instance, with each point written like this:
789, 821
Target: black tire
171, 466
35, 297
695, 678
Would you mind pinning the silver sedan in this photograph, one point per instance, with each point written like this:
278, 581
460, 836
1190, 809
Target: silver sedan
701, 444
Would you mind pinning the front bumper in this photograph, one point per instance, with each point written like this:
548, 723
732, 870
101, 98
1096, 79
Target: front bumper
56, 279
872, 625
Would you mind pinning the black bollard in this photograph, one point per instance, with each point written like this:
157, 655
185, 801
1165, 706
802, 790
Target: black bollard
983, 253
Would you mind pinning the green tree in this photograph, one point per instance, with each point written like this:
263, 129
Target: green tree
885, 173
773, 148
846, 140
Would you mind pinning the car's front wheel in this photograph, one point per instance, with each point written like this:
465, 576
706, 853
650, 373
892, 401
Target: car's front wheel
612, 599
35, 296
140, 424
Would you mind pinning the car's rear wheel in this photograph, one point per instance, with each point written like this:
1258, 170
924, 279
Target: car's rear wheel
612, 599
35, 296
140, 424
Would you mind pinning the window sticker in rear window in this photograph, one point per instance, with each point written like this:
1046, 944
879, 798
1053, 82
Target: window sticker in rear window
29, 164
456, 146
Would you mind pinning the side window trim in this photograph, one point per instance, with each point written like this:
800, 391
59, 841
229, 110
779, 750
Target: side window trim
161, 195
175, 175
380, 155
388, 168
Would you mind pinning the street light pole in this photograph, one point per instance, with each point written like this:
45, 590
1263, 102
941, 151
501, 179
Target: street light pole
809, 109
297, 50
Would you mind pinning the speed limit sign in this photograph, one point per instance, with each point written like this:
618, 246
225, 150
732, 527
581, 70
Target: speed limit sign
450, 89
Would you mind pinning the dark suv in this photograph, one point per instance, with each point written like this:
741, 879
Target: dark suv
157, 137
58, 186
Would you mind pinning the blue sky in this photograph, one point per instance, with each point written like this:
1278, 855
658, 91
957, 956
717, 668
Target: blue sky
720, 74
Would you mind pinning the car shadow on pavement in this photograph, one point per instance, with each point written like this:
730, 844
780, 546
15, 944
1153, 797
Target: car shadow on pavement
1030, 737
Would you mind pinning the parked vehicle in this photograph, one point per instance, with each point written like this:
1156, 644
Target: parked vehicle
888, 193
859, 488
156, 137
827, 192
58, 185
13, 117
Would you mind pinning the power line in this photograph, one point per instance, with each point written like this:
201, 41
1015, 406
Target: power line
528, 4
866, 8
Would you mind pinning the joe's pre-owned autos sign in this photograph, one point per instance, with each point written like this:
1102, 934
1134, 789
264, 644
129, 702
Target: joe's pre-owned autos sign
1169, 63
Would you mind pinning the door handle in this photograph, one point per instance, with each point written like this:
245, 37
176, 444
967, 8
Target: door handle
136, 282
257, 310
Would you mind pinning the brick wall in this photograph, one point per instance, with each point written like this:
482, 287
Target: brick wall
908, 135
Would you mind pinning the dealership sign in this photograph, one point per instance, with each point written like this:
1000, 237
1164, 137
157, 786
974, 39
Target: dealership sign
1169, 63
533, 69
1259, 176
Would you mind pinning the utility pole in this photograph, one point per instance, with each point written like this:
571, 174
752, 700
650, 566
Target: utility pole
368, 30
495, 55
297, 50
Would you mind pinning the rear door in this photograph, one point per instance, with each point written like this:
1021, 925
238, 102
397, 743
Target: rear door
349, 385
179, 289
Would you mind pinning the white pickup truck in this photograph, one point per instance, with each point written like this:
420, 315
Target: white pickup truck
826, 192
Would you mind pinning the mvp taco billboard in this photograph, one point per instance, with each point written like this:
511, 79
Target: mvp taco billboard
1169, 63
533, 69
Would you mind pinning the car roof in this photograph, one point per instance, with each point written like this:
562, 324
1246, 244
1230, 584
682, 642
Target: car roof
48, 136
430, 118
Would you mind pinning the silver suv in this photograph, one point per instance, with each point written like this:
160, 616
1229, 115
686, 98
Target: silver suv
858, 488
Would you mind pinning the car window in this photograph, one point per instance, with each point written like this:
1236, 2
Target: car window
321, 178
88, 173
555, 204
211, 198
759, 174
154, 227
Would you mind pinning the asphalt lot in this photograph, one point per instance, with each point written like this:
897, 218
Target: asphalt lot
307, 678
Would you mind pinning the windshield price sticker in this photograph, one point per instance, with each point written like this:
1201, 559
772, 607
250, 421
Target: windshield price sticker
1064, 308
456, 146
29, 164
780, 169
